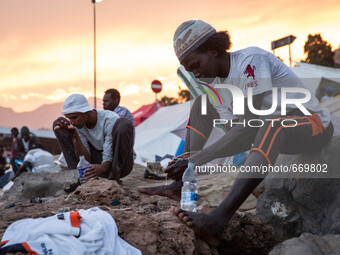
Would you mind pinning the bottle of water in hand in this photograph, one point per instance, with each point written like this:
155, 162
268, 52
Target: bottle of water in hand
189, 189
82, 166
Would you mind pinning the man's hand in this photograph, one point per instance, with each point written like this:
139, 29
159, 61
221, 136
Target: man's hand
95, 171
184, 155
177, 168
70, 129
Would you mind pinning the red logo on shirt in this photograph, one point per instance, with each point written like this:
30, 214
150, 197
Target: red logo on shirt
250, 71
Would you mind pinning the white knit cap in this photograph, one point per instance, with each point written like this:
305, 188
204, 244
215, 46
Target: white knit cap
190, 35
76, 103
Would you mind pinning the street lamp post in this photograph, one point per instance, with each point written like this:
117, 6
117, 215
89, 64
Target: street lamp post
94, 53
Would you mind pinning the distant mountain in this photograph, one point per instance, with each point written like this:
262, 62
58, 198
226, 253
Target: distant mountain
40, 118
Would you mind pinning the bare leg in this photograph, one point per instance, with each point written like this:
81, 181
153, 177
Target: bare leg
172, 190
298, 140
210, 226
206, 226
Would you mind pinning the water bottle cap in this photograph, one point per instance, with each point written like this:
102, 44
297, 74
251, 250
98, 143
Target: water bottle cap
190, 164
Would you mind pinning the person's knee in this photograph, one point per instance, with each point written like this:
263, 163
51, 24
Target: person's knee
123, 125
268, 129
274, 124
127, 170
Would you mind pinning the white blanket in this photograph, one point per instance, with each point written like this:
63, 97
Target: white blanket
91, 231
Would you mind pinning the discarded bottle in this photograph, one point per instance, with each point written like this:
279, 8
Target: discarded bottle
82, 166
189, 189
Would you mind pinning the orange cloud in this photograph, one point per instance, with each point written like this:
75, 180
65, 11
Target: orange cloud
47, 48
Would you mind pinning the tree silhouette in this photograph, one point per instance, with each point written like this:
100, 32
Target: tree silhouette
318, 51
183, 96
168, 100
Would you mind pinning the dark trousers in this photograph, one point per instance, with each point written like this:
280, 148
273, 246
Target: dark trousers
307, 136
122, 147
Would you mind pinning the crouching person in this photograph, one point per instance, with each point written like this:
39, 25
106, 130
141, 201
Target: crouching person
102, 137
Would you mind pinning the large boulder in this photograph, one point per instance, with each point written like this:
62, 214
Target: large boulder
300, 202
47, 184
308, 244
29, 185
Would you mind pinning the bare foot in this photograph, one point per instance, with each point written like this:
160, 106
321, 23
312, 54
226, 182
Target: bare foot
206, 226
172, 191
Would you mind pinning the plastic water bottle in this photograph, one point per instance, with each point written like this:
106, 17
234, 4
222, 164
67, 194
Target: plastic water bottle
189, 189
82, 166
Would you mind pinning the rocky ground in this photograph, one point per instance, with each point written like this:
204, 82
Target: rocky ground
296, 215
144, 221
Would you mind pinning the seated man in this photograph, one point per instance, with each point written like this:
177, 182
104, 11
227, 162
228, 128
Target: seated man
25, 141
111, 103
259, 78
37, 160
102, 137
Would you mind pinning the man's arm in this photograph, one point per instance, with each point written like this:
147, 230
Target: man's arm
98, 170
79, 147
237, 140
22, 168
105, 167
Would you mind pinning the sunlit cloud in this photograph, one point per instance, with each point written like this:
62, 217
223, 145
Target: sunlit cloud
131, 89
8, 97
32, 95
48, 55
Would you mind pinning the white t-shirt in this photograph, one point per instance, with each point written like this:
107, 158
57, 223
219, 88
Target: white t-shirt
262, 71
25, 144
101, 135
42, 161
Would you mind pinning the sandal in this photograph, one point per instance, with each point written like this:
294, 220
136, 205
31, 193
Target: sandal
72, 187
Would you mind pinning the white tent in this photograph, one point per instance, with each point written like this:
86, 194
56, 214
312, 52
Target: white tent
161, 133
154, 137
311, 74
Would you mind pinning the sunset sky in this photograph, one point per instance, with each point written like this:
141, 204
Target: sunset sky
46, 46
